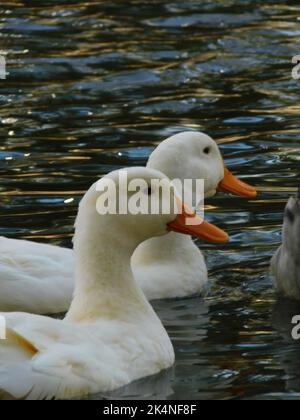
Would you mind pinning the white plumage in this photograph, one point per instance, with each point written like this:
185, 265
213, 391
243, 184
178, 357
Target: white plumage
111, 336
40, 278
34, 277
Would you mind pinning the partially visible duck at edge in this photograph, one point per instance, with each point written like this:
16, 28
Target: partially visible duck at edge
285, 264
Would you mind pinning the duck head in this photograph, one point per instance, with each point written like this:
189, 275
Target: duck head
194, 155
291, 227
152, 207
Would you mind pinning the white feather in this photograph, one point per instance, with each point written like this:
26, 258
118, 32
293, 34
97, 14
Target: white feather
40, 278
111, 336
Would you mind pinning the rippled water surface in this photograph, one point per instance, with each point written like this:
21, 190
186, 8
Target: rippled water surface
96, 85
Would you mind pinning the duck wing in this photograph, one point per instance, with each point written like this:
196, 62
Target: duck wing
35, 278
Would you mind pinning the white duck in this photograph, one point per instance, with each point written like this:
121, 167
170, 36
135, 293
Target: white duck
286, 262
173, 266
38, 278
111, 336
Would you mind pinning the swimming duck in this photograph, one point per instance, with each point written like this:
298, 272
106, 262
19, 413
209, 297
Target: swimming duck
38, 278
285, 264
173, 266
110, 336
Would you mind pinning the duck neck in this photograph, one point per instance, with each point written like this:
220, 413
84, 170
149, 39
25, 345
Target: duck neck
164, 248
104, 283
291, 254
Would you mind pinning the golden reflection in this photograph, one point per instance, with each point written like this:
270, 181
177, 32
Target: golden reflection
33, 193
254, 333
48, 236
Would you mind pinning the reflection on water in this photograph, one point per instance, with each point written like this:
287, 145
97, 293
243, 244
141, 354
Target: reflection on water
94, 86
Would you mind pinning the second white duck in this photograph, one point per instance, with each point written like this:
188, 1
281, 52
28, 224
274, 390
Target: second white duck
173, 266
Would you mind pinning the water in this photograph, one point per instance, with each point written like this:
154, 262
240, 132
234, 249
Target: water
95, 86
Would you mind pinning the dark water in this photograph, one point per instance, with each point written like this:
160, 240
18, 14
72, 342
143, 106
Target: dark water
94, 86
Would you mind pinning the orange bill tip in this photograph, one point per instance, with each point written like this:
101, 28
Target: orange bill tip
189, 223
231, 184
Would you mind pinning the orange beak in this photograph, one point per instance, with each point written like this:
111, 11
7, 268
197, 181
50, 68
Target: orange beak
233, 185
198, 227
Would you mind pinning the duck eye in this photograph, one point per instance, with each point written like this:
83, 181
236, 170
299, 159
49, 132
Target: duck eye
207, 150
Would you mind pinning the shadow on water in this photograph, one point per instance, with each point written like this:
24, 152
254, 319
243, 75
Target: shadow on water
95, 86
